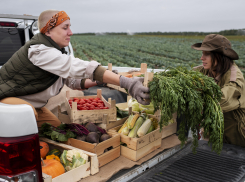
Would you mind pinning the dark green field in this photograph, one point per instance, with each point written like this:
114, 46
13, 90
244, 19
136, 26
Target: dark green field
157, 51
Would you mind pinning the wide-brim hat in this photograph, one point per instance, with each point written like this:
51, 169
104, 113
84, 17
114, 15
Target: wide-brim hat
216, 43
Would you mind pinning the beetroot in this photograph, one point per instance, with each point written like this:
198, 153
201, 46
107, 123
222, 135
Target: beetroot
104, 137
93, 137
91, 127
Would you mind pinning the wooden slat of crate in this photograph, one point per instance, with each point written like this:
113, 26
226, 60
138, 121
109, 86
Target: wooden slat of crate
111, 124
91, 167
99, 148
109, 156
169, 130
135, 155
106, 124
95, 116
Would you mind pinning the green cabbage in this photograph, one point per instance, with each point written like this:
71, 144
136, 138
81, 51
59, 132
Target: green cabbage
148, 109
134, 104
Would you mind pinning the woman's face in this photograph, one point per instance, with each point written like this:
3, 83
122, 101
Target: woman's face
61, 34
206, 60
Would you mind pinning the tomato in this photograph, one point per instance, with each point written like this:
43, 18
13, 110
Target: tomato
106, 107
86, 100
100, 101
75, 99
81, 102
79, 107
94, 103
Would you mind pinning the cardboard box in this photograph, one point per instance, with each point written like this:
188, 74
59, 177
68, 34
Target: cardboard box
95, 116
90, 168
104, 157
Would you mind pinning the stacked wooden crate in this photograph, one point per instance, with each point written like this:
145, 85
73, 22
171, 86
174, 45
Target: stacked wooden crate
136, 148
104, 118
90, 168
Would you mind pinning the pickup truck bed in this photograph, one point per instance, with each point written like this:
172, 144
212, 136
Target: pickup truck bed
205, 165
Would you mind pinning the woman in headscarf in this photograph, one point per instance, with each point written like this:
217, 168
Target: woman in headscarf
39, 70
218, 62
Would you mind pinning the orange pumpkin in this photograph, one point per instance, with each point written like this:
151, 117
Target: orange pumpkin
52, 167
44, 149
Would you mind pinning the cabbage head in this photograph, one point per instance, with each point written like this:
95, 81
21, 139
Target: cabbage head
134, 104
148, 109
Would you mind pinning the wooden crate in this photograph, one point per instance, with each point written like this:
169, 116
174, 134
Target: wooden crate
139, 147
143, 70
135, 155
90, 168
99, 149
105, 124
95, 116
170, 129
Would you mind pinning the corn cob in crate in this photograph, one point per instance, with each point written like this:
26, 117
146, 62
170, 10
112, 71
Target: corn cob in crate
131, 121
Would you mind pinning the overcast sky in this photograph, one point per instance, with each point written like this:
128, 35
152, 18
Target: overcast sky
139, 15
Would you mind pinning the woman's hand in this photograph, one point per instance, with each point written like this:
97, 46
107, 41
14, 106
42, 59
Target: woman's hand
136, 88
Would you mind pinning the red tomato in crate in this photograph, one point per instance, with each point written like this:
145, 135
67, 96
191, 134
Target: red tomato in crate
81, 102
86, 100
79, 107
100, 101
94, 103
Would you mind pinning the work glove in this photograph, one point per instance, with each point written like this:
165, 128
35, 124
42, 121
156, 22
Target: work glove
136, 88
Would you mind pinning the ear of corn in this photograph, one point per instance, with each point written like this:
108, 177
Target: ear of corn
131, 122
124, 125
133, 132
144, 128
150, 129
125, 131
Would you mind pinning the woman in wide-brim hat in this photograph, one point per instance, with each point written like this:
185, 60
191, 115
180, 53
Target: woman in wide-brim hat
218, 62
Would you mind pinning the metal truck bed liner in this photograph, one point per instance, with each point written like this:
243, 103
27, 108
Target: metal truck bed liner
206, 166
